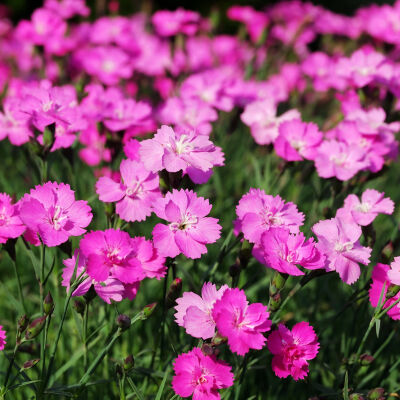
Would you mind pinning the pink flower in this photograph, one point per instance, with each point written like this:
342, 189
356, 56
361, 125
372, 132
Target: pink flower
134, 194
114, 254
297, 140
339, 159
68, 8
131, 149
3, 338
51, 211
338, 240
188, 152
200, 375
258, 212
194, 313
292, 349
10, 224
261, 117
380, 277
240, 322
189, 230
170, 23
394, 273
365, 211
282, 251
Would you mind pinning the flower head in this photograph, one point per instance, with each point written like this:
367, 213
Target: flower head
11, 225
2, 338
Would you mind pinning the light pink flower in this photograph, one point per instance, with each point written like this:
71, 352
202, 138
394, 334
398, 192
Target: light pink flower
297, 140
11, 225
134, 194
189, 230
292, 349
339, 241
68, 8
258, 212
170, 23
282, 251
194, 313
394, 272
131, 149
3, 338
188, 152
261, 117
113, 253
380, 277
365, 211
200, 375
241, 323
52, 212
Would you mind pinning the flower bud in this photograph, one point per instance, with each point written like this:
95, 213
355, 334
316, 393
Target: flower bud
366, 359
30, 363
79, 306
35, 327
218, 339
22, 324
274, 302
123, 322
48, 304
376, 394
392, 291
234, 269
245, 253
119, 370
173, 292
90, 295
148, 310
207, 349
279, 280
129, 363
356, 396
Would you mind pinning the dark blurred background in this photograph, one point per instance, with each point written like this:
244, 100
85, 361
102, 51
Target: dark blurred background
23, 8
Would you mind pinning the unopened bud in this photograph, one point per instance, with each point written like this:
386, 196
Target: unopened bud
35, 327
376, 394
48, 304
22, 324
123, 322
366, 359
274, 302
119, 370
30, 363
173, 292
392, 291
79, 306
234, 270
278, 281
90, 295
356, 396
148, 310
129, 363
245, 253
207, 349
218, 339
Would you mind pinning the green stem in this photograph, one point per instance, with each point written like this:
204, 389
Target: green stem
43, 335
20, 294
121, 382
10, 366
85, 330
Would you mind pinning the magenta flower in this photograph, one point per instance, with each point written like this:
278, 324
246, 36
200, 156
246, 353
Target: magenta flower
114, 254
258, 212
52, 212
380, 277
194, 313
297, 140
3, 337
200, 375
261, 117
94, 151
134, 194
188, 152
11, 225
282, 251
365, 211
170, 23
189, 230
292, 349
338, 240
241, 323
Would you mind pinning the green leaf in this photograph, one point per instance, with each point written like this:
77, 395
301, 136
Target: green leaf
378, 327
161, 388
346, 386
138, 393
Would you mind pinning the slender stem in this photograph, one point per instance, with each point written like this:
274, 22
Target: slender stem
85, 330
10, 366
20, 294
121, 382
43, 334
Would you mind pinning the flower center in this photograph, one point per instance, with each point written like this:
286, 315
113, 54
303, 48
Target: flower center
58, 218
342, 247
363, 207
186, 222
182, 145
134, 191
339, 160
297, 144
47, 105
272, 219
108, 66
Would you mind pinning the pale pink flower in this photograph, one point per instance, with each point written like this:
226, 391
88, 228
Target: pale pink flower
170, 23
11, 225
282, 251
3, 337
242, 323
292, 349
51, 211
188, 152
339, 241
258, 212
134, 194
114, 254
194, 313
189, 229
68, 8
131, 149
394, 272
200, 375
365, 211
297, 140
380, 278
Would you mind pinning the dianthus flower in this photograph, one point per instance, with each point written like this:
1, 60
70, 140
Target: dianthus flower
51, 211
11, 225
188, 152
282, 251
170, 23
134, 194
2, 338
189, 230
338, 240
394, 273
241, 323
261, 117
382, 275
114, 254
365, 211
200, 375
292, 349
258, 212
297, 140
194, 313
